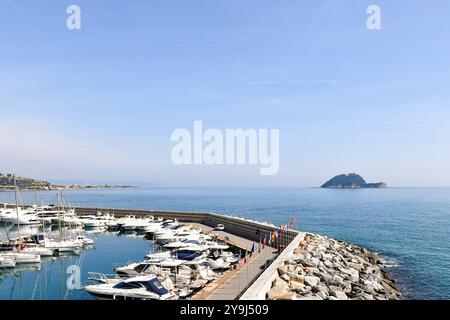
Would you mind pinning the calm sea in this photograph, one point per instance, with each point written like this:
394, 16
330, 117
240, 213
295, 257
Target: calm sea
408, 226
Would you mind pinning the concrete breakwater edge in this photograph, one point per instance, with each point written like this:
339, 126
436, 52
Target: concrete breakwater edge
320, 268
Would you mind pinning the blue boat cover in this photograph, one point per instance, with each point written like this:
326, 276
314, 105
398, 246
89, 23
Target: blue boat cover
186, 255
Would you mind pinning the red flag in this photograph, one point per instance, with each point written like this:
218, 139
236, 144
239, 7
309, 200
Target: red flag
264, 242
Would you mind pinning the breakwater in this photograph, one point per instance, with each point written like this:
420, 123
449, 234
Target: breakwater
320, 268
249, 229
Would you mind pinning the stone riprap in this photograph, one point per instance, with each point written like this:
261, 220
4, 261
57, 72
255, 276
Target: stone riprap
321, 268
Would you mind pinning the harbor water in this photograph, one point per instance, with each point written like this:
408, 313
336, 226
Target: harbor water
410, 227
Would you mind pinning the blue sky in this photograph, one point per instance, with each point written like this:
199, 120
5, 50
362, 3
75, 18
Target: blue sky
100, 103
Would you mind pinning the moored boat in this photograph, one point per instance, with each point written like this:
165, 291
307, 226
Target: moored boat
138, 288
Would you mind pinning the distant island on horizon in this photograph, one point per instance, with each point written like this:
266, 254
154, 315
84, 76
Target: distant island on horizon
351, 181
7, 184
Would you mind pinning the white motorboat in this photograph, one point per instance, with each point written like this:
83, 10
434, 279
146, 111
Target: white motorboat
96, 221
64, 245
158, 255
124, 220
6, 262
41, 251
22, 258
138, 288
71, 221
226, 256
200, 241
158, 226
112, 224
136, 224
46, 221
136, 269
85, 240
213, 245
218, 264
167, 268
168, 236
19, 216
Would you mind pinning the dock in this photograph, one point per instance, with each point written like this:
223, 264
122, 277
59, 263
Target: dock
233, 282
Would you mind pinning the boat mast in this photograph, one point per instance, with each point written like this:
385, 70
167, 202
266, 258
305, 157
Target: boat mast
17, 210
58, 208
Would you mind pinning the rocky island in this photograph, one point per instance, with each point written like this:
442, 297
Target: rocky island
7, 184
351, 181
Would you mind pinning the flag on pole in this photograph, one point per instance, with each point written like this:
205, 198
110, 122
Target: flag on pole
270, 239
253, 250
274, 236
259, 246
264, 242
246, 256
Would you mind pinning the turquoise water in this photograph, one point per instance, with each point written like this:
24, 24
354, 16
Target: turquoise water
409, 226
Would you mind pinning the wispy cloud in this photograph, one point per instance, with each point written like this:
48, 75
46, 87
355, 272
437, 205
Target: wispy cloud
290, 83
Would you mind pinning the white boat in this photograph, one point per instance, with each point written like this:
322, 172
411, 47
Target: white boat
164, 269
217, 264
19, 216
158, 255
138, 288
213, 245
6, 262
161, 226
136, 224
196, 241
136, 269
46, 221
64, 245
85, 240
22, 258
41, 251
112, 224
226, 256
95, 221
168, 236
124, 220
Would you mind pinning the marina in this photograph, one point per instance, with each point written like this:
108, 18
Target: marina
185, 257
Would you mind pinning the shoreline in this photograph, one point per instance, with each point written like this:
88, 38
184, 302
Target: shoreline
70, 189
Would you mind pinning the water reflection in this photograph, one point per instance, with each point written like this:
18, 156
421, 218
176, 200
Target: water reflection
48, 280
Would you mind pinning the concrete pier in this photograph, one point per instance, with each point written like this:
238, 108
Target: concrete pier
234, 282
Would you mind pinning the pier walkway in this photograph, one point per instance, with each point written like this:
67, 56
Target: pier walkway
233, 282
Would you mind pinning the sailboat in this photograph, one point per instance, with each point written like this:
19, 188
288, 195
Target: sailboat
17, 255
63, 244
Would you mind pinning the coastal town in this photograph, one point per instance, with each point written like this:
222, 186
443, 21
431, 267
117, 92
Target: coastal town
7, 183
